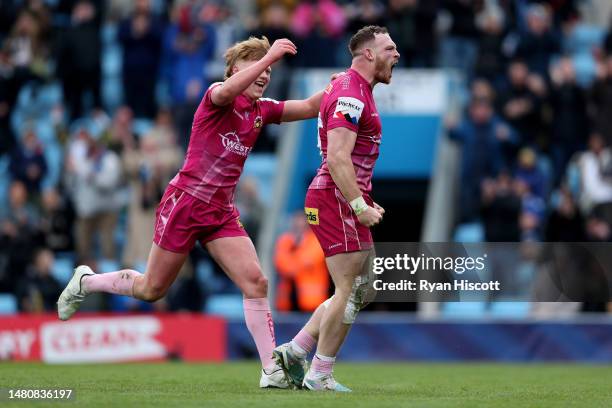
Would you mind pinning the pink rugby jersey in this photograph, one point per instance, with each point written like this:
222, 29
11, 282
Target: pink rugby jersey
348, 102
221, 139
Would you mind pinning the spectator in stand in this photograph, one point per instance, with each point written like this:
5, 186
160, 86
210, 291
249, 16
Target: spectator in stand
140, 35
485, 138
149, 168
565, 223
539, 43
19, 233
94, 176
459, 48
57, 221
520, 106
501, 208
188, 45
275, 25
79, 58
28, 164
362, 13
26, 45
300, 264
528, 172
491, 61
38, 290
570, 124
600, 100
318, 25
596, 178
533, 211
401, 23
120, 134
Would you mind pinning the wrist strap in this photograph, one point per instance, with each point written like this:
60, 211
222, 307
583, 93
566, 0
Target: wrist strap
359, 205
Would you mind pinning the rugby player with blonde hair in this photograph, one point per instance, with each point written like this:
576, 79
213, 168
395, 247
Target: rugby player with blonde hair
198, 204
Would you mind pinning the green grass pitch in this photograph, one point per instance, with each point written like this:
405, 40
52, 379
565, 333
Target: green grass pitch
374, 385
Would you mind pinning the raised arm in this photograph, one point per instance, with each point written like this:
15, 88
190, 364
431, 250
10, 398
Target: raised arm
238, 82
340, 145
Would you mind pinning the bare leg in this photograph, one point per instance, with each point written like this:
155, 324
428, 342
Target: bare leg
162, 268
238, 259
344, 268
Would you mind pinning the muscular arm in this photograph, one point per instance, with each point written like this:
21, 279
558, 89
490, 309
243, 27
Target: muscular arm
237, 83
340, 144
302, 109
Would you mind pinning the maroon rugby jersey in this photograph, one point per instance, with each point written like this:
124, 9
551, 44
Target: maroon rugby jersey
221, 139
348, 102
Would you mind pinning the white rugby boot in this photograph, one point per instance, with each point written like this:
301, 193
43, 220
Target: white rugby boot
274, 377
293, 365
72, 296
323, 383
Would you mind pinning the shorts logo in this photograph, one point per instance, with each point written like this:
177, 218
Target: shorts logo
258, 122
349, 108
231, 142
312, 215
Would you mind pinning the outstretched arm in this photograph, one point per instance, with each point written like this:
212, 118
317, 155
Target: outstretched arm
237, 83
305, 108
302, 109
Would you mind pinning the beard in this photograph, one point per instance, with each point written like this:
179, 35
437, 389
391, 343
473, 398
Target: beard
382, 70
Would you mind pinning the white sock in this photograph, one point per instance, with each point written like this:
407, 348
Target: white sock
297, 349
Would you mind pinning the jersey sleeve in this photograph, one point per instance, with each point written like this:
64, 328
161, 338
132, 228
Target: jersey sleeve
271, 110
344, 109
207, 100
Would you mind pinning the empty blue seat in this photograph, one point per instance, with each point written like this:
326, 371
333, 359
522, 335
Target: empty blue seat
62, 269
510, 309
8, 304
469, 232
463, 309
225, 305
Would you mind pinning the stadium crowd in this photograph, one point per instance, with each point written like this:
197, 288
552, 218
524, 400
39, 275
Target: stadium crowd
97, 98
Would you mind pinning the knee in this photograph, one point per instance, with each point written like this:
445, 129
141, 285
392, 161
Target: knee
255, 285
152, 292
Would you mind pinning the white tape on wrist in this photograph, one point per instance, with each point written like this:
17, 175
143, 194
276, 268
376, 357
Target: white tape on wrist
359, 205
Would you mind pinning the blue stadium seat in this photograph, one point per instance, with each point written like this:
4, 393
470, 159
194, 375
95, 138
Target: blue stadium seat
464, 309
510, 309
53, 155
142, 126
107, 265
109, 33
469, 232
225, 305
207, 278
8, 304
63, 268
262, 167
5, 180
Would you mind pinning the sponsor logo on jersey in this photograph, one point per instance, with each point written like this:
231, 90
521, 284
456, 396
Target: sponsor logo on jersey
258, 122
349, 108
312, 215
376, 138
231, 143
334, 245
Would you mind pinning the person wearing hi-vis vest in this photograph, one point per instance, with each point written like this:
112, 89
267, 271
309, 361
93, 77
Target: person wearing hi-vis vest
300, 264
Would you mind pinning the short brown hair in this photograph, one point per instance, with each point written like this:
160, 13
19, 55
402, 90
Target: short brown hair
252, 49
366, 34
